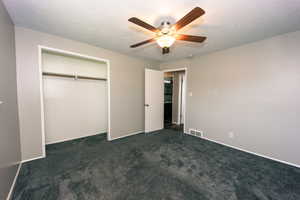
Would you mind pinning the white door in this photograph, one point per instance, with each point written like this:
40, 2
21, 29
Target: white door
154, 100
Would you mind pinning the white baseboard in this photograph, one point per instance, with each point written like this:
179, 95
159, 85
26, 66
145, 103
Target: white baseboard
14, 183
75, 138
31, 159
43, 156
155, 130
127, 135
257, 154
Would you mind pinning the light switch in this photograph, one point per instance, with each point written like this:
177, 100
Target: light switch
190, 94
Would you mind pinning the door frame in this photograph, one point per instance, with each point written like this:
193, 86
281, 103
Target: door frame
185, 89
42, 48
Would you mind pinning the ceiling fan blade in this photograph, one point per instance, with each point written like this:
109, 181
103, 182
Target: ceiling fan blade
190, 38
143, 24
142, 43
188, 18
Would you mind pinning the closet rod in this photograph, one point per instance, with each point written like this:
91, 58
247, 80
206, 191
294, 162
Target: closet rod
73, 76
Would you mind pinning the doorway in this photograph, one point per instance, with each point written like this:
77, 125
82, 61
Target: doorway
174, 99
165, 99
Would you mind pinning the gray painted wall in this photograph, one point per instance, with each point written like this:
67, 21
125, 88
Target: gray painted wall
10, 154
127, 87
253, 91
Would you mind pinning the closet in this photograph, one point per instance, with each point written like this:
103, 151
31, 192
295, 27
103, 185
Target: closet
75, 96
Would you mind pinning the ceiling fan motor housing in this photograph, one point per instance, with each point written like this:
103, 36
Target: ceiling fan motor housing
165, 27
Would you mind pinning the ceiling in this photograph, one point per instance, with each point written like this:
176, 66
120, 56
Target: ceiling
104, 23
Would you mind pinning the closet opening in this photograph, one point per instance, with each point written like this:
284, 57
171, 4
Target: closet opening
75, 96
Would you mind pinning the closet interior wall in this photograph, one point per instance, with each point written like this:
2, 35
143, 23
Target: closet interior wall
73, 107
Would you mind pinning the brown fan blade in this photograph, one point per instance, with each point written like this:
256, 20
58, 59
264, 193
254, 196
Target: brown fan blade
191, 16
143, 24
141, 43
190, 38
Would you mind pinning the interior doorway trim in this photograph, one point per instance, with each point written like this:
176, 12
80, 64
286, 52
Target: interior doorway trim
185, 88
70, 53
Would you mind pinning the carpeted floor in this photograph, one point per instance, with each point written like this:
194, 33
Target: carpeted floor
162, 166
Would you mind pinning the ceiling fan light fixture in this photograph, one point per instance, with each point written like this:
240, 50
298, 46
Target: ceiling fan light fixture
165, 41
166, 33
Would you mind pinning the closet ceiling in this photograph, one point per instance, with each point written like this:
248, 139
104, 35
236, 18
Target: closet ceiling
104, 23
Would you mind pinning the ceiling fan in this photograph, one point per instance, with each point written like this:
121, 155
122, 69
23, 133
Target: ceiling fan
166, 34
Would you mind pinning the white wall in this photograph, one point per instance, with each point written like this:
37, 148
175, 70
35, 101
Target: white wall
253, 91
178, 102
60, 63
183, 98
127, 87
73, 108
175, 97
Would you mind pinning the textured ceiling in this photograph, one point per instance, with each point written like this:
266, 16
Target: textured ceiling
104, 23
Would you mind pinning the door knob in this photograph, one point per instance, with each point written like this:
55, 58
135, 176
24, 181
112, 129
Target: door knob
147, 105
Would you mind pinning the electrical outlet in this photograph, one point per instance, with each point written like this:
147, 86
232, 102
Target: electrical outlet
231, 134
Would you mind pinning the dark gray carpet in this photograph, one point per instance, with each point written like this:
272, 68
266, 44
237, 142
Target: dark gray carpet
162, 166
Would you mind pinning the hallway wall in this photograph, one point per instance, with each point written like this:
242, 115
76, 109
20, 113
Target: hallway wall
177, 105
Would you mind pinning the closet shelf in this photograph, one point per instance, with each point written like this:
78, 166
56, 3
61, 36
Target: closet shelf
73, 76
